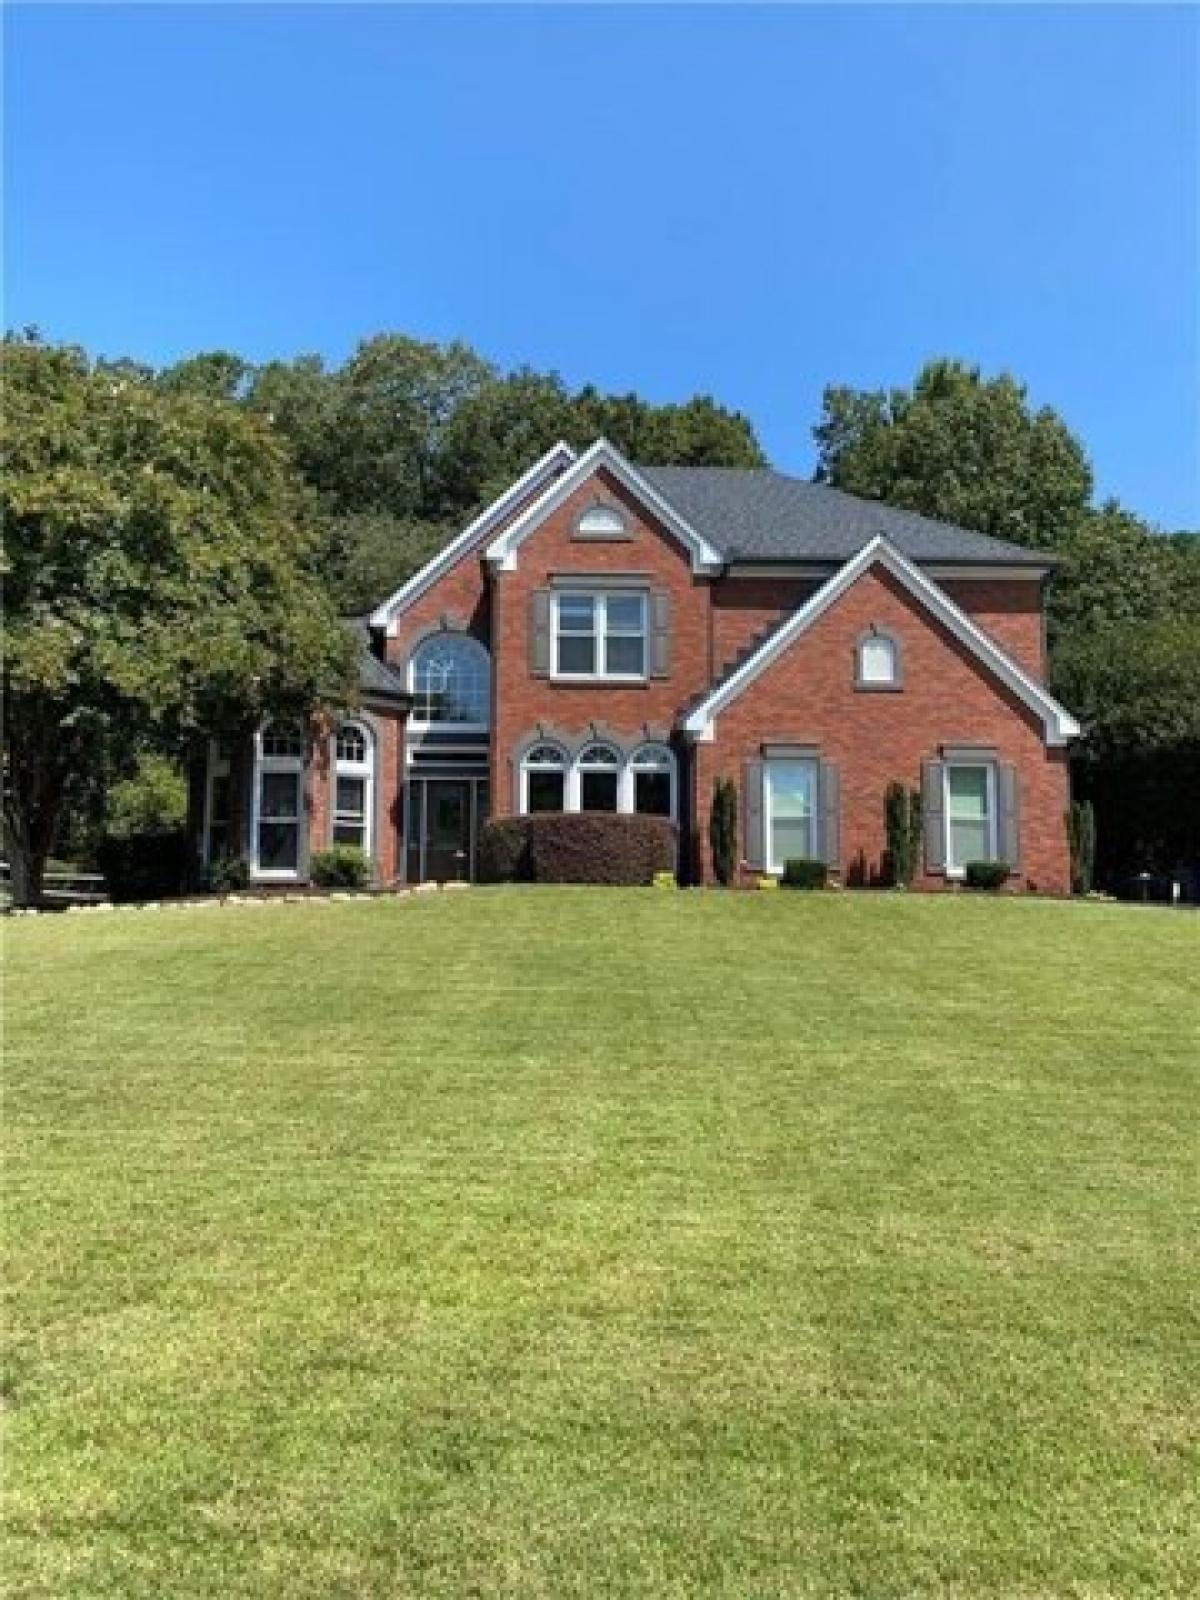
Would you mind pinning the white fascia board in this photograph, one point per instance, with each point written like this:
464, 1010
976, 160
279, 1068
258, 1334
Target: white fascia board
502, 552
1059, 725
557, 457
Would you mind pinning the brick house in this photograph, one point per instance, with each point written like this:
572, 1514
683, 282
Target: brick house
612, 637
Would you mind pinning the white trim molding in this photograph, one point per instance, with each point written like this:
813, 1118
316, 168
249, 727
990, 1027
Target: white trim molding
1059, 725
557, 459
502, 552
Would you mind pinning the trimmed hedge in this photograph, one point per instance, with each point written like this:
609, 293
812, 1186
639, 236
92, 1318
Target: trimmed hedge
143, 866
576, 847
804, 872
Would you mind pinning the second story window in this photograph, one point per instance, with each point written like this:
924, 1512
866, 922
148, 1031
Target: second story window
600, 635
450, 678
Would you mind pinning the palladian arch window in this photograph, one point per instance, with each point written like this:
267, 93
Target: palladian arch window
598, 773
652, 781
450, 678
545, 778
354, 779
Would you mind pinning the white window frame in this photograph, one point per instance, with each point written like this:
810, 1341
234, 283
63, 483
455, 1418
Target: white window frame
365, 770
599, 599
773, 867
273, 764
580, 765
563, 766
993, 821
415, 719
638, 762
217, 766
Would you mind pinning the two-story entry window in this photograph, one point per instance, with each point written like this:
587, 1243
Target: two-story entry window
599, 635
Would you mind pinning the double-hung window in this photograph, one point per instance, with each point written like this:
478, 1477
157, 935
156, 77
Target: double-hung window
970, 814
278, 801
600, 635
790, 799
352, 786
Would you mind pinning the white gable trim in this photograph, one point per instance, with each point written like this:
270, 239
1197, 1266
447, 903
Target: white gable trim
556, 459
1060, 726
502, 552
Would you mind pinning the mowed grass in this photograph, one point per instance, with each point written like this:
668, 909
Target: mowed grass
598, 1243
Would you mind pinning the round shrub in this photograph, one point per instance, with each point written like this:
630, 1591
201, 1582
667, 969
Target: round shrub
344, 866
804, 872
986, 874
577, 847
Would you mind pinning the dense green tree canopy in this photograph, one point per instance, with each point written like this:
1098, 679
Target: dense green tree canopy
961, 447
159, 579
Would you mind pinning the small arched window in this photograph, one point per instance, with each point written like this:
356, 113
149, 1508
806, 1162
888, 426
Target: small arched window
877, 661
652, 781
598, 770
602, 521
544, 778
450, 678
353, 818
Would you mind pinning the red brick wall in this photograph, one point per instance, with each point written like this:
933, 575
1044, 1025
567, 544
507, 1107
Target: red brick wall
808, 696
389, 726
743, 608
522, 700
1010, 610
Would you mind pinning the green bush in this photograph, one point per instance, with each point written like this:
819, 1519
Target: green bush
503, 853
902, 813
143, 866
153, 800
803, 872
986, 874
342, 866
723, 828
664, 880
577, 847
1081, 839
225, 874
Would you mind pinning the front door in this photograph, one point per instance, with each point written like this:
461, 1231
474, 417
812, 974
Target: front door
447, 829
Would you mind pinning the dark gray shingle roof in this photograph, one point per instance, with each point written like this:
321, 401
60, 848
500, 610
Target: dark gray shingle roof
759, 515
375, 677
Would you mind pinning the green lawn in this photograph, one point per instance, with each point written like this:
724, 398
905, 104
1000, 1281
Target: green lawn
597, 1243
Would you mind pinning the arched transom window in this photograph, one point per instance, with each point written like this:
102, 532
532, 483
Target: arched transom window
544, 778
353, 808
877, 665
450, 678
598, 774
652, 781
600, 778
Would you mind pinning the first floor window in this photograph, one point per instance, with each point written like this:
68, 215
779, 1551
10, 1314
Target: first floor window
545, 779
970, 815
790, 792
600, 635
599, 775
279, 821
653, 773
353, 778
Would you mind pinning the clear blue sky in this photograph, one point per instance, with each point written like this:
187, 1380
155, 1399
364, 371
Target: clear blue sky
749, 202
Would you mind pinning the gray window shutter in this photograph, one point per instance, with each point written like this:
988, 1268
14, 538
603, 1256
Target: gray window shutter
539, 633
1009, 831
660, 634
932, 773
831, 816
752, 802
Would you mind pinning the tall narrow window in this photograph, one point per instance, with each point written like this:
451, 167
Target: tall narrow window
353, 786
278, 801
790, 792
970, 815
544, 779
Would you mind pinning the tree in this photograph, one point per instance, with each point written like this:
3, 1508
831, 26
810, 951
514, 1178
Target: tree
903, 814
722, 829
959, 447
159, 581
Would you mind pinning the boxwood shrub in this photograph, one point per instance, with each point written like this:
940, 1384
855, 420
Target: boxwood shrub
343, 866
804, 872
576, 847
986, 874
